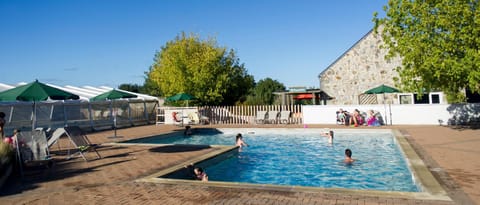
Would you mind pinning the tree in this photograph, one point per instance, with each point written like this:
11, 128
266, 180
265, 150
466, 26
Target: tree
263, 92
199, 67
150, 87
438, 42
130, 87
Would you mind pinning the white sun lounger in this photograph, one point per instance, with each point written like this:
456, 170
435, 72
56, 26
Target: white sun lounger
261, 115
59, 132
285, 116
272, 116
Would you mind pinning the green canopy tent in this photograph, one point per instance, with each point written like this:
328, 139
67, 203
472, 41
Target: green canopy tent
113, 95
382, 89
34, 92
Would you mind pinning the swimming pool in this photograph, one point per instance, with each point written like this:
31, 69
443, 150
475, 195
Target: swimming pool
301, 157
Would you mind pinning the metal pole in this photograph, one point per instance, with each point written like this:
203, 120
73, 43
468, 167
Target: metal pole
385, 109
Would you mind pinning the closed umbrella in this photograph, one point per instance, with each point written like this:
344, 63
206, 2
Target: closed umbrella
113, 95
382, 89
34, 92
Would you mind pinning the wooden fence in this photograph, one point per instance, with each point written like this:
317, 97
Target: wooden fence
248, 114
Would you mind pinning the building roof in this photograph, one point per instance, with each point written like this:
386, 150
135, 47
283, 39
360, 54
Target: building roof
344, 53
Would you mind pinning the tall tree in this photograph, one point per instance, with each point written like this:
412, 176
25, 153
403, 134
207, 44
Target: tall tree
438, 42
130, 87
201, 68
263, 92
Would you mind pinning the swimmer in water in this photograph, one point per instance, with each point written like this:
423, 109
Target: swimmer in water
329, 134
239, 141
348, 156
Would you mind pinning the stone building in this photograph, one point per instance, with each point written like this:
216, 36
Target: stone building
363, 67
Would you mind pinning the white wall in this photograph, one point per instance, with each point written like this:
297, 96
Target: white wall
419, 114
182, 112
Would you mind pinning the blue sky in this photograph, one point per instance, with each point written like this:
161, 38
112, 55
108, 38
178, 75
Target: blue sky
110, 42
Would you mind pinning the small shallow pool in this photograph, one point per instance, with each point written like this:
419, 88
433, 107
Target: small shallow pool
302, 157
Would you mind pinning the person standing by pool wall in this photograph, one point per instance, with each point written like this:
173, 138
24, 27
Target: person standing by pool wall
348, 156
188, 130
329, 134
196, 173
239, 141
200, 174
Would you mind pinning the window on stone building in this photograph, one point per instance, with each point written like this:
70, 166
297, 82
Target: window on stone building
405, 99
411, 98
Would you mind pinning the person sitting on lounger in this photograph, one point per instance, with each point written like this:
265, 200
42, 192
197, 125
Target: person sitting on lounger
372, 119
356, 118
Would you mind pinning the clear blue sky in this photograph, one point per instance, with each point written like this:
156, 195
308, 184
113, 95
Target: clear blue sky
110, 42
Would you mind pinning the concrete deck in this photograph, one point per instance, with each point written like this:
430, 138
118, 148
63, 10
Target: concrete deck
451, 154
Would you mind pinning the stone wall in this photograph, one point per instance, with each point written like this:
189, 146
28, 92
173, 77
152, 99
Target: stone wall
359, 69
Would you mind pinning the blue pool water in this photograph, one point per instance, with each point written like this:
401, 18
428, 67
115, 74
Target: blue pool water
302, 157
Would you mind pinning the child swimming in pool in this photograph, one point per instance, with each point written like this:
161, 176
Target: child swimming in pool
239, 141
188, 131
348, 157
196, 173
200, 174
329, 134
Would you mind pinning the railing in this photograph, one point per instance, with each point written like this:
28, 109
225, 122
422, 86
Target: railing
248, 114
96, 115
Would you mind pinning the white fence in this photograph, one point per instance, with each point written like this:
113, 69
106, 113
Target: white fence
232, 114
419, 114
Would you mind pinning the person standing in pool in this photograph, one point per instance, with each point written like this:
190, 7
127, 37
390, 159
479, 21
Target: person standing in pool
329, 134
239, 141
200, 174
196, 173
188, 131
348, 156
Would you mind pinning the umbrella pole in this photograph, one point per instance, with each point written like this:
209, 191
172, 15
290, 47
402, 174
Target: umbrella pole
115, 126
34, 115
390, 110
114, 115
385, 109
114, 119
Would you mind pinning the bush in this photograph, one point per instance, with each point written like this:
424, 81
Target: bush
6, 153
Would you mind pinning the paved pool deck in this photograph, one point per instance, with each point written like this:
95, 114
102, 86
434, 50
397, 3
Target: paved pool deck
450, 153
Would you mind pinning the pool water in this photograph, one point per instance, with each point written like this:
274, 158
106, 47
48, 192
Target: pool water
302, 157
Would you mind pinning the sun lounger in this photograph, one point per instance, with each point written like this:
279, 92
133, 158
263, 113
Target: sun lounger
32, 148
196, 118
81, 142
272, 116
59, 132
285, 116
261, 115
